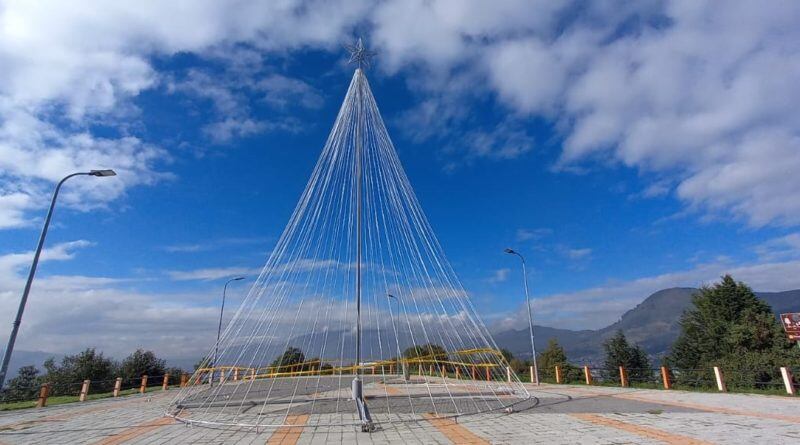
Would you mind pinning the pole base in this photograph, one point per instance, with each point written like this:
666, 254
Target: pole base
361, 406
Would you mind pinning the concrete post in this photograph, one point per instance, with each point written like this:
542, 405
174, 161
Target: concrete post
788, 382
558, 374
184, 380
474, 372
533, 375
720, 380
430, 370
84, 391
508, 373
235, 374
587, 374
44, 392
665, 377
165, 382
117, 386
458, 373
143, 387
623, 377
253, 374
488, 374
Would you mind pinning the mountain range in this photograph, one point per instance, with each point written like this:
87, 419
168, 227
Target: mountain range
653, 324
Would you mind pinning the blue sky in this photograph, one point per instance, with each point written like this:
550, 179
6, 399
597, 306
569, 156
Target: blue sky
622, 149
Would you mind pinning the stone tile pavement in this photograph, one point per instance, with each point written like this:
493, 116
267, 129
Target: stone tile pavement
564, 414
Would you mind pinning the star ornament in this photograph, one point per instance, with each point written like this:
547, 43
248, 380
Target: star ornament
359, 54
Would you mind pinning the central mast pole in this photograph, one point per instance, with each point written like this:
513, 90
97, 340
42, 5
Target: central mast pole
359, 119
360, 55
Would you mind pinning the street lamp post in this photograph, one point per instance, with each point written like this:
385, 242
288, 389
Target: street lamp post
18, 320
530, 315
396, 335
219, 327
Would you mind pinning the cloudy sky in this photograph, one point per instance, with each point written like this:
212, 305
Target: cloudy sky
624, 147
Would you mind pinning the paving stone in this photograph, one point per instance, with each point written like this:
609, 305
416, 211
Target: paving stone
556, 419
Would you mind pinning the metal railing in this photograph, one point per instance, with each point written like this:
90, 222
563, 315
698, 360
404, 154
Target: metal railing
14, 396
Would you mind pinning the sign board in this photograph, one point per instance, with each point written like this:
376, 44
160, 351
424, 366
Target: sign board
791, 324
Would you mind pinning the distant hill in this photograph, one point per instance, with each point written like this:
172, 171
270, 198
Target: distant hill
653, 324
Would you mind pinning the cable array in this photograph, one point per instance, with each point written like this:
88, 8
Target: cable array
290, 348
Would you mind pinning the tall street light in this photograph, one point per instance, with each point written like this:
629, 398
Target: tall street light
219, 328
18, 320
530, 316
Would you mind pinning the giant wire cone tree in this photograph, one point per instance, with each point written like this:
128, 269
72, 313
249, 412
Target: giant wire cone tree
357, 287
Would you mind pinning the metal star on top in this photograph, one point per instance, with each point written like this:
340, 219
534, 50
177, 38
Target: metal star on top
359, 53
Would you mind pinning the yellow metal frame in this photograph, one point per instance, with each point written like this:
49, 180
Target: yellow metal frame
299, 369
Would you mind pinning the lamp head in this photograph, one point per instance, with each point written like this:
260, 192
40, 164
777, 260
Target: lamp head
237, 279
509, 250
103, 172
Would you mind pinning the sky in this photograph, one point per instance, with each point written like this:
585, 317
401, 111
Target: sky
622, 147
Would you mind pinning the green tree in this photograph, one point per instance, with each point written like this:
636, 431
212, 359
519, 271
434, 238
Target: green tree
429, 352
174, 373
728, 326
507, 355
291, 356
25, 386
140, 363
554, 355
66, 377
519, 366
620, 353
204, 362
426, 350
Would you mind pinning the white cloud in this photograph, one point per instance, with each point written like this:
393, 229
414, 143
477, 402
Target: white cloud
185, 248
536, 88
533, 234
281, 90
67, 313
784, 247
12, 263
230, 128
215, 244
573, 253
506, 140
85, 69
212, 273
229, 94
698, 96
499, 276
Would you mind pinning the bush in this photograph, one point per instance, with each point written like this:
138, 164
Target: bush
25, 386
67, 377
620, 353
141, 363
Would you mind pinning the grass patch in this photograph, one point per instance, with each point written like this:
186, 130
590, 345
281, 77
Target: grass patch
60, 400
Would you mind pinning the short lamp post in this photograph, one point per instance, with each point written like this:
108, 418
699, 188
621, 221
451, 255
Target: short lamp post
396, 335
535, 375
18, 320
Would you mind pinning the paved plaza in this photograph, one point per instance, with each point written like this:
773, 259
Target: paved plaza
561, 414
